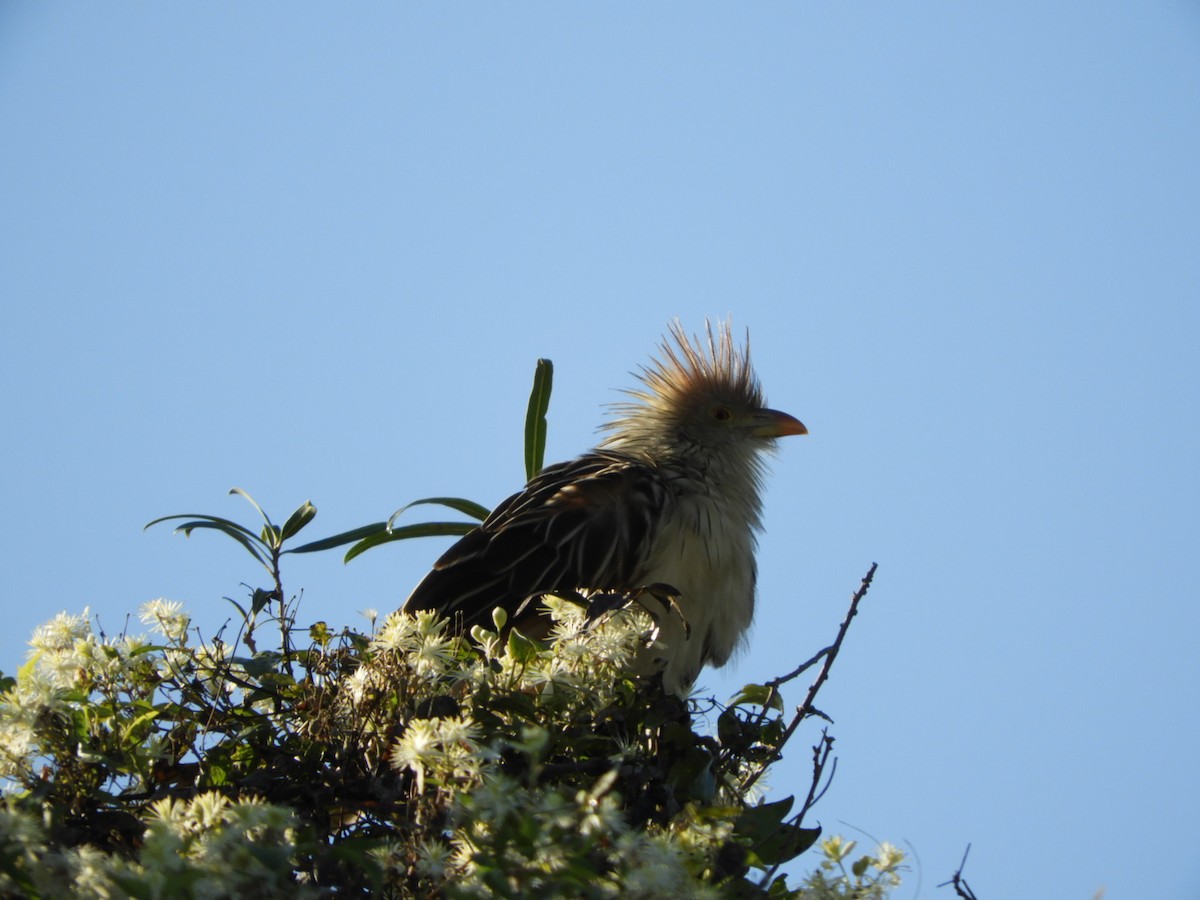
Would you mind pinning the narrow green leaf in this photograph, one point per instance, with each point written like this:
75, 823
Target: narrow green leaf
240, 535
427, 529
458, 504
298, 520
240, 608
216, 520
144, 717
270, 535
346, 537
535, 417
252, 502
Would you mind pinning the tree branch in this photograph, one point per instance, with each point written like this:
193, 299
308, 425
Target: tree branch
961, 888
829, 654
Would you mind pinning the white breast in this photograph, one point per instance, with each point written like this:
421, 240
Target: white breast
708, 556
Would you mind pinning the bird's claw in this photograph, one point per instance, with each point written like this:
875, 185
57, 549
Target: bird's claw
605, 602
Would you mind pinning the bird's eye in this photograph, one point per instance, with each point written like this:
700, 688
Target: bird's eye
722, 413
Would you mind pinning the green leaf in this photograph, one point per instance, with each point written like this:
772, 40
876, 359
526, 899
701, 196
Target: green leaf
522, 650
144, 717
270, 536
227, 525
758, 695
252, 502
788, 842
535, 417
772, 840
239, 607
346, 537
247, 539
264, 663
298, 520
731, 731
428, 529
319, 633
466, 507
757, 820
25, 672
260, 599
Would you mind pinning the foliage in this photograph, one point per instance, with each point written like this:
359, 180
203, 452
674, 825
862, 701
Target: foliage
408, 761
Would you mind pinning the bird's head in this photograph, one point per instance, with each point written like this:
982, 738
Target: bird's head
698, 397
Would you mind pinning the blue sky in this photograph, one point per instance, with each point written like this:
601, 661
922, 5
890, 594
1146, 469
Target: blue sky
315, 250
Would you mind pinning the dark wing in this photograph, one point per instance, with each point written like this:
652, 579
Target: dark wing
584, 523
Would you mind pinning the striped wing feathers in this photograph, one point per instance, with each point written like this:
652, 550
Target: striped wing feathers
588, 523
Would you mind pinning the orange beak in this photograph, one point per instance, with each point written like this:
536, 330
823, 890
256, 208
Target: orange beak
771, 423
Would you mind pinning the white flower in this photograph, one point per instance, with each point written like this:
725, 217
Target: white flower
417, 749
166, 617
360, 683
836, 848
90, 873
18, 745
449, 746
497, 799
653, 867
888, 856
41, 688
553, 810
432, 655
395, 633
61, 633
209, 810
433, 859
601, 816
427, 622
390, 856
169, 812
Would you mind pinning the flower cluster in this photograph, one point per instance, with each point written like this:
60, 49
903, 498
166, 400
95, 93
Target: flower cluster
870, 877
413, 761
208, 847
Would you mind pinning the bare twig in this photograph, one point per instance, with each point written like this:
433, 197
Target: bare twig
800, 669
961, 888
832, 652
829, 654
821, 753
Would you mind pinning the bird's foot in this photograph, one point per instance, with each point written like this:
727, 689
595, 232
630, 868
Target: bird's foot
603, 603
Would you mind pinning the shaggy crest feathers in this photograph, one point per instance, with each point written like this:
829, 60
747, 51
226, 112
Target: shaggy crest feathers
687, 376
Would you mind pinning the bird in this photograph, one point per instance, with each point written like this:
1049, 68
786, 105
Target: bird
670, 499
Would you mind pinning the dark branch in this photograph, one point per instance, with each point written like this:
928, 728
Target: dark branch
821, 753
829, 654
961, 888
